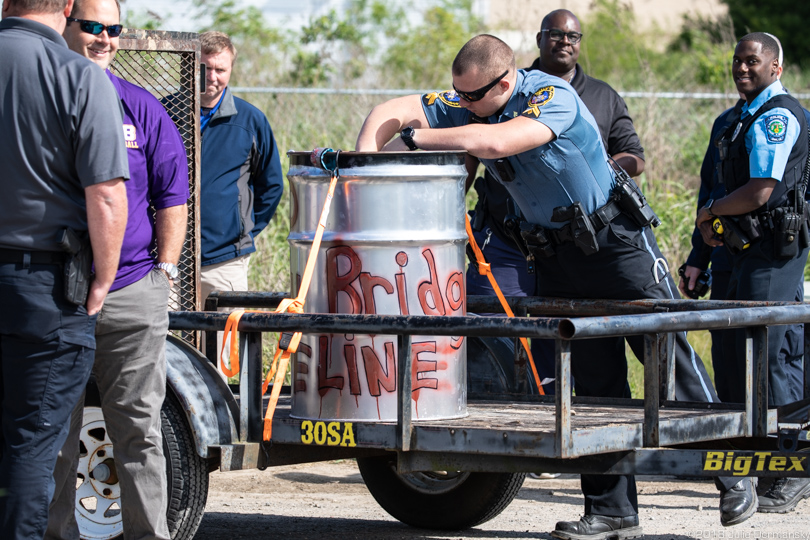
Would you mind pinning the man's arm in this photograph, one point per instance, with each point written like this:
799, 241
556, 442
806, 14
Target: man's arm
106, 222
170, 230
266, 179
387, 119
751, 196
487, 141
633, 164
623, 143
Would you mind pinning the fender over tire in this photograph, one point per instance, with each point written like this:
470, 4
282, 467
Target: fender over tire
438, 500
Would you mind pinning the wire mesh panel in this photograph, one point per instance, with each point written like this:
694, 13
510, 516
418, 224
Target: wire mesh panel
168, 65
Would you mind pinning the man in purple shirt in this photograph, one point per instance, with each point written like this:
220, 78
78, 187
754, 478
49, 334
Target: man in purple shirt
130, 366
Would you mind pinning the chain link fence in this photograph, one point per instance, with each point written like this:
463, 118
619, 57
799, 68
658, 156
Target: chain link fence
168, 65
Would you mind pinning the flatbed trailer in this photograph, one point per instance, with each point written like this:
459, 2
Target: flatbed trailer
512, 433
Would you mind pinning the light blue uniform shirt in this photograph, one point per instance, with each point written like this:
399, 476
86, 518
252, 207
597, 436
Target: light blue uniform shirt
571, 168
771, 138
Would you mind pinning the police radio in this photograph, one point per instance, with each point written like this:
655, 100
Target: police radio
631, 200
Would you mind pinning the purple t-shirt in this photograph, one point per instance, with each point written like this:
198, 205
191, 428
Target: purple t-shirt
158, 176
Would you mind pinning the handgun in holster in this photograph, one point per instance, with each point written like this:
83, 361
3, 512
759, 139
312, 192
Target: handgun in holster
734, 238
582, 232
78, 266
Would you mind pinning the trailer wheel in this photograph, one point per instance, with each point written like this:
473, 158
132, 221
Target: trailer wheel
491, 367
438, 500
98, 504
186, 473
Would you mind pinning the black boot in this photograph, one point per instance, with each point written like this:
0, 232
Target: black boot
593, 527
738, 503
784, 495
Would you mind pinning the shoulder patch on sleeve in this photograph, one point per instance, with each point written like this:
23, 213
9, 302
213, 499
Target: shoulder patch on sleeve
776, 128
540, 98
448, 97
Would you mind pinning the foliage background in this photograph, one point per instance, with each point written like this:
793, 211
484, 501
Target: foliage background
373, 45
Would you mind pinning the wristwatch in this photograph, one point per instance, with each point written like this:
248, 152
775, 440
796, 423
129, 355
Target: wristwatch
171, 270
407, 137
708, 207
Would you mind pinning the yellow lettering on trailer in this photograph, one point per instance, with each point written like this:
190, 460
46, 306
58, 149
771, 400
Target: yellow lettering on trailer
328, 433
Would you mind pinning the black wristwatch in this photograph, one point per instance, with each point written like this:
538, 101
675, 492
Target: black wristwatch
708, 207
407, 138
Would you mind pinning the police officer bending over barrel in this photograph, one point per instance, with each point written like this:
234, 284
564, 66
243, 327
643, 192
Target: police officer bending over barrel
762, 218
585, 226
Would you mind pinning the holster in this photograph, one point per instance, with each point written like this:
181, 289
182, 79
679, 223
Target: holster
78, 266
579, 229
537, 242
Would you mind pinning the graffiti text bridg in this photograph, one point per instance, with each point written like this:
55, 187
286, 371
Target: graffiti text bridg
745, 464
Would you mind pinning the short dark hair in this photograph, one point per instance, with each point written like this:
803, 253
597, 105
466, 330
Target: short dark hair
550, 15
215, 42
487, 53
78, 4
38, 6
768, 43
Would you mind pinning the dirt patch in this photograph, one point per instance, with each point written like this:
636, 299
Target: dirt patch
329, 500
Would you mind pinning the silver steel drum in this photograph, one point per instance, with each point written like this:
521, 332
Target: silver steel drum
394, 244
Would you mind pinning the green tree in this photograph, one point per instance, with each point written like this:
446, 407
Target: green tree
786, 19
419, 56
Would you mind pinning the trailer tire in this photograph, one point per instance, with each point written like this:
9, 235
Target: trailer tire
449, 501
186, 473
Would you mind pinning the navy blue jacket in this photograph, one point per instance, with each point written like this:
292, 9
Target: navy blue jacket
241, 182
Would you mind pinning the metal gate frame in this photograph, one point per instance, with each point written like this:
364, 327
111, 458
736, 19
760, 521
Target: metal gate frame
167, 64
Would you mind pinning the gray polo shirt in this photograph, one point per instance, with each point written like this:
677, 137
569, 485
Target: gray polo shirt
60, 132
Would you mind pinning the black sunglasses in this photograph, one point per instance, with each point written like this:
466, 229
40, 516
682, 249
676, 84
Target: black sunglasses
95, 28
556, 34
479, 94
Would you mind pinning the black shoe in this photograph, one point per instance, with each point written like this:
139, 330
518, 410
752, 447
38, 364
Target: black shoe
784, 495
593, 527
738, 503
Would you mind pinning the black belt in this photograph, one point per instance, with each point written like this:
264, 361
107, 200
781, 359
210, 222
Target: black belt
19, 256
599, 219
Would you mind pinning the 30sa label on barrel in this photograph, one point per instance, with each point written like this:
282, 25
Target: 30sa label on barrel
327, 433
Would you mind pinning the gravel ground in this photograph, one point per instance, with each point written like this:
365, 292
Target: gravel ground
329, 500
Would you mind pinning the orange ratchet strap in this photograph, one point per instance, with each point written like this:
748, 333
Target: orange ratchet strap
485, 270
287, 343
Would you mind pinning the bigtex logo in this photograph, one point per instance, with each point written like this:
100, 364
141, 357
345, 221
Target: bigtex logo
743, 464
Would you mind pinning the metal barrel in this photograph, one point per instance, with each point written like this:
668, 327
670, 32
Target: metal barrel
393, 245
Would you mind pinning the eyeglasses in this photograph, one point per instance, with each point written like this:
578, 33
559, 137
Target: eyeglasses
95, 28
555, 34
477, 95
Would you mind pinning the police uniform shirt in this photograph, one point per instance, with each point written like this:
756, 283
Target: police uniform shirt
771, 138
61, 125
571, 168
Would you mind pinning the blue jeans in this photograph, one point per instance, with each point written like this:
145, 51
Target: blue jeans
510, 271
46, 353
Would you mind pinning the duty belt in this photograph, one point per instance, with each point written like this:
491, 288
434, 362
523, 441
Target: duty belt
25, 257
599, 219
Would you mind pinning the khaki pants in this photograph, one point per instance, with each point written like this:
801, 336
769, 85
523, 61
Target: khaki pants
130, 370
230, 275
